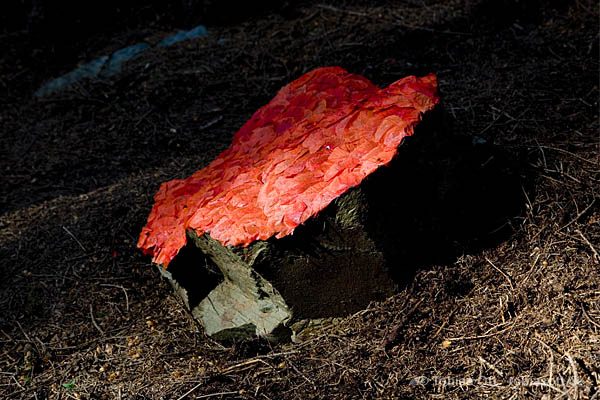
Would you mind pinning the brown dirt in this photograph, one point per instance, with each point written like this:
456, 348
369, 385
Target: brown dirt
83, 314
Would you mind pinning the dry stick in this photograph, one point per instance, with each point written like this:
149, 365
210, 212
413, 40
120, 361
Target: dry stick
587, 316
301, 374
94, 321
332, 8
551, 352
490, 366
242, 364
124, 291
543, 154
17, 382
596, 255
210, 123
392, 337
563, 393
451, 314
575, 375
571, 154
508, 278
190, 391
7, 336
490, 124
206, 396
573, 368
422, 28
480, 336
71, 396
329, 362
74, 238
527, 198
537, 257
284, 353
579, 215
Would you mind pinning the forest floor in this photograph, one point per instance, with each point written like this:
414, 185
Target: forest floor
83, 314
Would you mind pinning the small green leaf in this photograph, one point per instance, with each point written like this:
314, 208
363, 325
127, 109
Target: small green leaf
69, 385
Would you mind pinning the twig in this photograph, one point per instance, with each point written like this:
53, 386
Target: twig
17, 382
244, 364
587, 316
273, 355
124, 291
578, 215
563, 393
82, 256
543, 154
71, 396
422, 28
24, 333
490, 366
392, 337
94, 321
508, 278
7, 336
490, 124
301, 374
450, 315
74, 238
329, 362
596, 256
332, 8
575, 375
210, 123
143, 117
551, 352
190, 391
571, 154
206, 396
456, 339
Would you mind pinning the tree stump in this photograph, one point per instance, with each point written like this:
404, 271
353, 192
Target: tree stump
329, 267
315, 210
443, 194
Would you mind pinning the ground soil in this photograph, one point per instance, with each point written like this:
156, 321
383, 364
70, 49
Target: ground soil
83, 314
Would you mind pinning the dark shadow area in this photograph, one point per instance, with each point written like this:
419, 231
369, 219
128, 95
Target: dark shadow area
444, 194
195, 273
493, 15
61, 29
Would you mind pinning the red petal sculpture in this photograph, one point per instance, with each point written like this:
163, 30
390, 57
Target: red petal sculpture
320, 135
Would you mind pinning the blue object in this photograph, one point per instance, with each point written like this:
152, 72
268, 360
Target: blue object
114, 65
107, 66
90, 70
197, 32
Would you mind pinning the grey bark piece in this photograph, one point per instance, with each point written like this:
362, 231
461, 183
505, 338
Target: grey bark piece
244, 300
